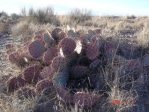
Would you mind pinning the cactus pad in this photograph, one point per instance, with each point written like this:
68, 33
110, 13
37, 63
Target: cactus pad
49, 55
55, 34
62, 35
64, 94
49, 41
68, 46
58, 62
92, 51
32, 74
61, 78
47, 72
36, 49
15, 83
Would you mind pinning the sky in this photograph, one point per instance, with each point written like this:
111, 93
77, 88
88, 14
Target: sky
98, 7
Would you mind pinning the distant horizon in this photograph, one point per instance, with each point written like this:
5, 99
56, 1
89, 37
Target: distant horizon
97, 7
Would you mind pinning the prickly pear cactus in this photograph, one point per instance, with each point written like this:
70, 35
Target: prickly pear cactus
61, 78
83, 60
32, 74
49, 41
47, 72
68, 46
110, 50
64, 95
95, 65
43, 84
36, 49
71, 34
62, 35
55, 34
15, 83
49, 55
79, 84
71, 60
92, 51
19, 59
79, 71
58, 62
39, 36
75, 65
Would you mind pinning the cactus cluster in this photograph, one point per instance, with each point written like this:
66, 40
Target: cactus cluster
55, 63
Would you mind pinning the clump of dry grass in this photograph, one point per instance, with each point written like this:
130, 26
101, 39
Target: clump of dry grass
25, 28
121, 99
143, 36
22, 27
12, 104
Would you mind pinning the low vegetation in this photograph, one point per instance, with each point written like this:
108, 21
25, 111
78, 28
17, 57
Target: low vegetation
107, 59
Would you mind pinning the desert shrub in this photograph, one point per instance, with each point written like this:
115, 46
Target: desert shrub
3, 14
23, 11
15, 16
45, 15
42, 15
131, 17
80, 16
31, 12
